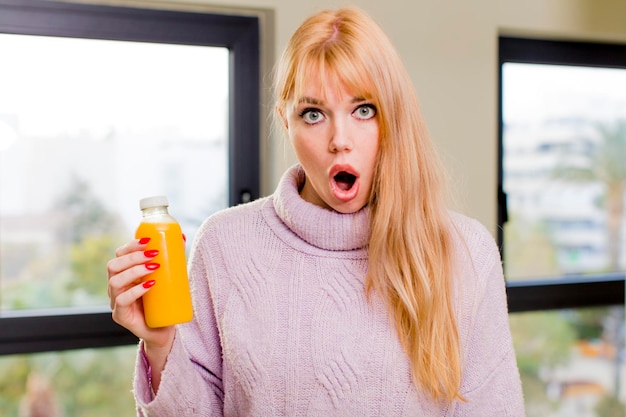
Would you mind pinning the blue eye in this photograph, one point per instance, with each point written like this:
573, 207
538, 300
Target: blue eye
365, 112
311, 116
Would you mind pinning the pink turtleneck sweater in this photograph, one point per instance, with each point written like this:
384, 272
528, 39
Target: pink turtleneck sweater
282, 326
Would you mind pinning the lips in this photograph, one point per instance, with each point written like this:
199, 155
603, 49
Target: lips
344, 182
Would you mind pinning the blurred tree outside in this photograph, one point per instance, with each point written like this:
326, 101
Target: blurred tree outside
81, 383
606, 163
610, 406
542, 341
77, 383
529, 250
82, 214
91, 235
71, 272
546, 341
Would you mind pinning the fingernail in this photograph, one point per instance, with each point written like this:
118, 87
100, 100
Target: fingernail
149, 284
184, 238
151, 253
144, 240
152, 266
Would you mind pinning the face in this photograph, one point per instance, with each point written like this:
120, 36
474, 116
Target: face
335, 136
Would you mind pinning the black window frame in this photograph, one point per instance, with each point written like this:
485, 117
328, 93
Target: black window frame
31, 331
566, 292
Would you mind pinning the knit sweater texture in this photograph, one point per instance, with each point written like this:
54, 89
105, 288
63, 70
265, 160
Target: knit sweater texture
282, 325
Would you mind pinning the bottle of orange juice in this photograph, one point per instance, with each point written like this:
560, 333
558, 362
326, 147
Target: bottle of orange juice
169, 301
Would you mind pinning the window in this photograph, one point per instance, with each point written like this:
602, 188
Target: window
570, 362
562, 147
562, 220
104, 136
101, 106
68, 383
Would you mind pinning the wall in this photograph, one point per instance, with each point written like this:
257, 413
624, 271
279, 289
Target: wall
450, 50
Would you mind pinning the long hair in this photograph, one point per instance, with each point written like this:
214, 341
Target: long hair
410, 249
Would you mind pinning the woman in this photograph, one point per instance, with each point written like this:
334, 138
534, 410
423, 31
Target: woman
352, 290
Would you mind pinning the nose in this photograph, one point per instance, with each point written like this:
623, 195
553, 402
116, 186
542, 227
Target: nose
340, 140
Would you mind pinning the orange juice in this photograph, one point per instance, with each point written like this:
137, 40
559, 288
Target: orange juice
168, 302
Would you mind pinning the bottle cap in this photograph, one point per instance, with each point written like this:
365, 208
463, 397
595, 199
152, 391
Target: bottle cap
155, 201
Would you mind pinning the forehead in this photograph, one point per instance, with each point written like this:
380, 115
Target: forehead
323, 87
318, 92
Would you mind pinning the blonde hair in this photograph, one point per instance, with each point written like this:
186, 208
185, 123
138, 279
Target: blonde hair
410, 250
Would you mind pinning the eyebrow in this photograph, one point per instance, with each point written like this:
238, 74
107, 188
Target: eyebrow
311, 100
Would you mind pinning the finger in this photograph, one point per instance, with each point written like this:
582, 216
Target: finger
128, 309
121, 282
122, 262
132, 276
133, 245
129, 297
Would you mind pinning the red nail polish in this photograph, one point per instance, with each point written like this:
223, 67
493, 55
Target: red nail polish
144, 240
149, 284
151, 253
152, 266
184, 238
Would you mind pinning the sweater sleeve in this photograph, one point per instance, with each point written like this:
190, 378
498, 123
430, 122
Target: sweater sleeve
491, 383
191, 383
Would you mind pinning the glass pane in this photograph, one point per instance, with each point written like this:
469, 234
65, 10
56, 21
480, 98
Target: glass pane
572, 362
69, 384
87, 128
564, 169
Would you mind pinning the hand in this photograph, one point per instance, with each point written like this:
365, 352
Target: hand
127, 284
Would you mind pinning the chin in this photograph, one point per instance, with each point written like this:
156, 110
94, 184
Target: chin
349, 207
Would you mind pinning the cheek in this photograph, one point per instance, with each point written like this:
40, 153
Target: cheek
297, 143
305, 145
374, 144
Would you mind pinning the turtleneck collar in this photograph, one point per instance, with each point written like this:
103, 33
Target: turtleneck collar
318, 226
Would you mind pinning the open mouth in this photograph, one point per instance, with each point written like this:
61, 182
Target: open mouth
344, 180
